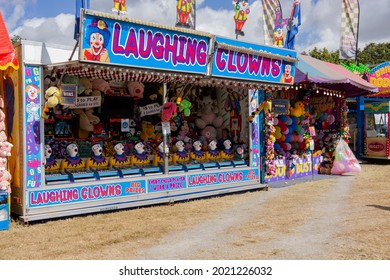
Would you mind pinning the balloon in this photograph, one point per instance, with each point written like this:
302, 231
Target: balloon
325, 125
294, 127
331, 119
289, 121
277, 146
276, 121
277, 129
283, 118
277, 135
285, 131
283, 138
300, 138
294, 119
288, 146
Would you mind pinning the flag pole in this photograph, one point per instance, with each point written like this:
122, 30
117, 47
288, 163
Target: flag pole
357, 35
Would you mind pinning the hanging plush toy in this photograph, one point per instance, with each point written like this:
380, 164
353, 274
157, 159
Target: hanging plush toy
136, 90
120, 7
169, 110
183, 11
242, 10
53, 98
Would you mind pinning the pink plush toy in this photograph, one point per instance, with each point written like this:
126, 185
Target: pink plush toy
2, 125
209, 133
101, 85
2, 115
3, 163
168, 111
136, 90
3, 136
5, 176
5, 186
5, 149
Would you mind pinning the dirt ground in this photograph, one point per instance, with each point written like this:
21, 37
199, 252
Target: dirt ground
337, 218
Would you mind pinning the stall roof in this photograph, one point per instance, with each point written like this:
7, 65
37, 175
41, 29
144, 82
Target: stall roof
331, 76
8, 56
120, 73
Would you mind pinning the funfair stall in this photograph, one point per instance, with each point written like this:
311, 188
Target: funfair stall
147, 114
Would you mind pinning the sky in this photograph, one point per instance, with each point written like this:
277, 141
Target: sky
52, 21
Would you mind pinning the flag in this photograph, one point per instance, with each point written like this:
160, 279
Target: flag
80, 4
349, 29
295, 23
270, 8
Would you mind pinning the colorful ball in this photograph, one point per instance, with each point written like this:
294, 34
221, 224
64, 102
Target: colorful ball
277, 146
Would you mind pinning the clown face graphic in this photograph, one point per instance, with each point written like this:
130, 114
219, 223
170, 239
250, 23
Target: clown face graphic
97, 43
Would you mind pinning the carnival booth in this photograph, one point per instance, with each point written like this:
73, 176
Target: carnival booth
147, 114
8, 64
312, 117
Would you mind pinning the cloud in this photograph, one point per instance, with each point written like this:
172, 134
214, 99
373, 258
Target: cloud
320, 21
57, 29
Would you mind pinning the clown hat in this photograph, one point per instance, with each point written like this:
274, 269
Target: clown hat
99, 26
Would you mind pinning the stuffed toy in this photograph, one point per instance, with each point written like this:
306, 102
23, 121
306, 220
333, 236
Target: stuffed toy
169, 110
51, 164
3, 136
147, 131
140, 157
1, 102
86, 85
119, 158
136, 90
5, 149
206, 114
97, 160
120, 7
5, 176
2, 125
181, 155
212, 154
102, 86
185, 107
72, 160
2, 115
86, 122
3, 163
5, 186
53, 98
298, 109
208, 133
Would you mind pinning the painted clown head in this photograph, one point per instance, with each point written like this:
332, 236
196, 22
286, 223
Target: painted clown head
98, 34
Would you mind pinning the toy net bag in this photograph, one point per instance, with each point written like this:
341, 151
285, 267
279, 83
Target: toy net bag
345, 161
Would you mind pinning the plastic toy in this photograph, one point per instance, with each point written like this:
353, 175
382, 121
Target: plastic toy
197, 153
181, 155
140, 156
51, 164
212, 154
73, 160
97, 160
119, 158
227, 153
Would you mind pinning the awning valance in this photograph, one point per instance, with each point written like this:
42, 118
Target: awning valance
8, 57
331, 76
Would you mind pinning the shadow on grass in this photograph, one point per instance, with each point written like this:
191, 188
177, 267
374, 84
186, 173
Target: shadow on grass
386, 208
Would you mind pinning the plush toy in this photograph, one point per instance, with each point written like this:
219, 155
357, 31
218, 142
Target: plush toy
87, 85
298, 109
3, 136
2, 115
97, 160
181, 155
102, 86
86, 122
51, 164
120, 7
206, 113
140, 157
72, 160
169, 109
5, 176
147, 131
227, 153
136, 90
5, 149
212, 154
5, 186
119, 158
158, 157
197, 153
53, 98
185, 107
208, 133
3, 163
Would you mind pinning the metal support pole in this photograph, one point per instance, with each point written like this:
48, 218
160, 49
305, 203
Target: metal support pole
165, 138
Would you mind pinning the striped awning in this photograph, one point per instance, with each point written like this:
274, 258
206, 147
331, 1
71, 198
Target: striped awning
331, 76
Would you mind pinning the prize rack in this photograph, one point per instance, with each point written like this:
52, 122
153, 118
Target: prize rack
129, 130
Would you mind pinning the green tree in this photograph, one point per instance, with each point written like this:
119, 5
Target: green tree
374, 54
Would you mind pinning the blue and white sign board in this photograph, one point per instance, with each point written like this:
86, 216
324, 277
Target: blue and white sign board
107, 39
246, 61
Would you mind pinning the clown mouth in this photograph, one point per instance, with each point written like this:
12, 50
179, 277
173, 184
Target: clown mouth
96, 50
